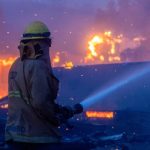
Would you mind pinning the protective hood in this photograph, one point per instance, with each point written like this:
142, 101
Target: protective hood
35, 50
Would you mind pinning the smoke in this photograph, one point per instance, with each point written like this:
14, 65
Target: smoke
140, 53
72, 22
131, 18
69, 22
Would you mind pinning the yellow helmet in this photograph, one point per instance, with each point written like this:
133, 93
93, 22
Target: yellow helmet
36, 30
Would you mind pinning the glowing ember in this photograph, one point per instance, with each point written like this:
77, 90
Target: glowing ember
97, 114
4, 106
68, 65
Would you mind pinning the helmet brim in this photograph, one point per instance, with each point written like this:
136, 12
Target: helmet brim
32, 38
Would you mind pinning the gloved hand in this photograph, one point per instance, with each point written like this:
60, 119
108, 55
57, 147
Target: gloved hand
67, 112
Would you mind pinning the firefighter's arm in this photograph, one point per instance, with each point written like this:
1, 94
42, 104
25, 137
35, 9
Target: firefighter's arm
42, 99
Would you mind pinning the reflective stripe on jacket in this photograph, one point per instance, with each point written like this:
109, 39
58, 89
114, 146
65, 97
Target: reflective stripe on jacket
23, 122
14, 94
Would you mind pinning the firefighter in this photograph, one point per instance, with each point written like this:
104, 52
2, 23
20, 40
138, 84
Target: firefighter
32, 114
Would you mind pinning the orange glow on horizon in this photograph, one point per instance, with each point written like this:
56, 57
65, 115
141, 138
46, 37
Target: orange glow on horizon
5, 64
68, 65
98, 114
7, 61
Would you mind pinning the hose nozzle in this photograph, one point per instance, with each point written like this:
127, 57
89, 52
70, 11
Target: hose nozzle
77, 109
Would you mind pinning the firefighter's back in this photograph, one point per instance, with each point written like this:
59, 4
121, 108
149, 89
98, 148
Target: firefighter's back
23, 124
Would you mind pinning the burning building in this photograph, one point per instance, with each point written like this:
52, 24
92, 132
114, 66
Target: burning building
102, 48
93, 47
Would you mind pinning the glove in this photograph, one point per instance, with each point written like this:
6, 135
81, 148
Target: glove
67, 111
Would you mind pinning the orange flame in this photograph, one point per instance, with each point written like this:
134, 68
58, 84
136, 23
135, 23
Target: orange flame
5, 64
98, 114
57, 61
103, 48
96, 40
68, 65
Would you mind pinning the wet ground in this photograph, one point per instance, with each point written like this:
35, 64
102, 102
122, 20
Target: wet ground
129, 130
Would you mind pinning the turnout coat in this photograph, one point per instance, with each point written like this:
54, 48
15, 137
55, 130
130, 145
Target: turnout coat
32, 93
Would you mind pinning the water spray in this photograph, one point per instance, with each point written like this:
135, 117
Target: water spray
124, 80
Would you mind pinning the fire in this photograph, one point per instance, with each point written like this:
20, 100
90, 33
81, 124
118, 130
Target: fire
96, 40
59, 61
103, 48
98, 114
5, 64
56, 58
68, 65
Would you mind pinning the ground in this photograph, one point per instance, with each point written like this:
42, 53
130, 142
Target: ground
129, 130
